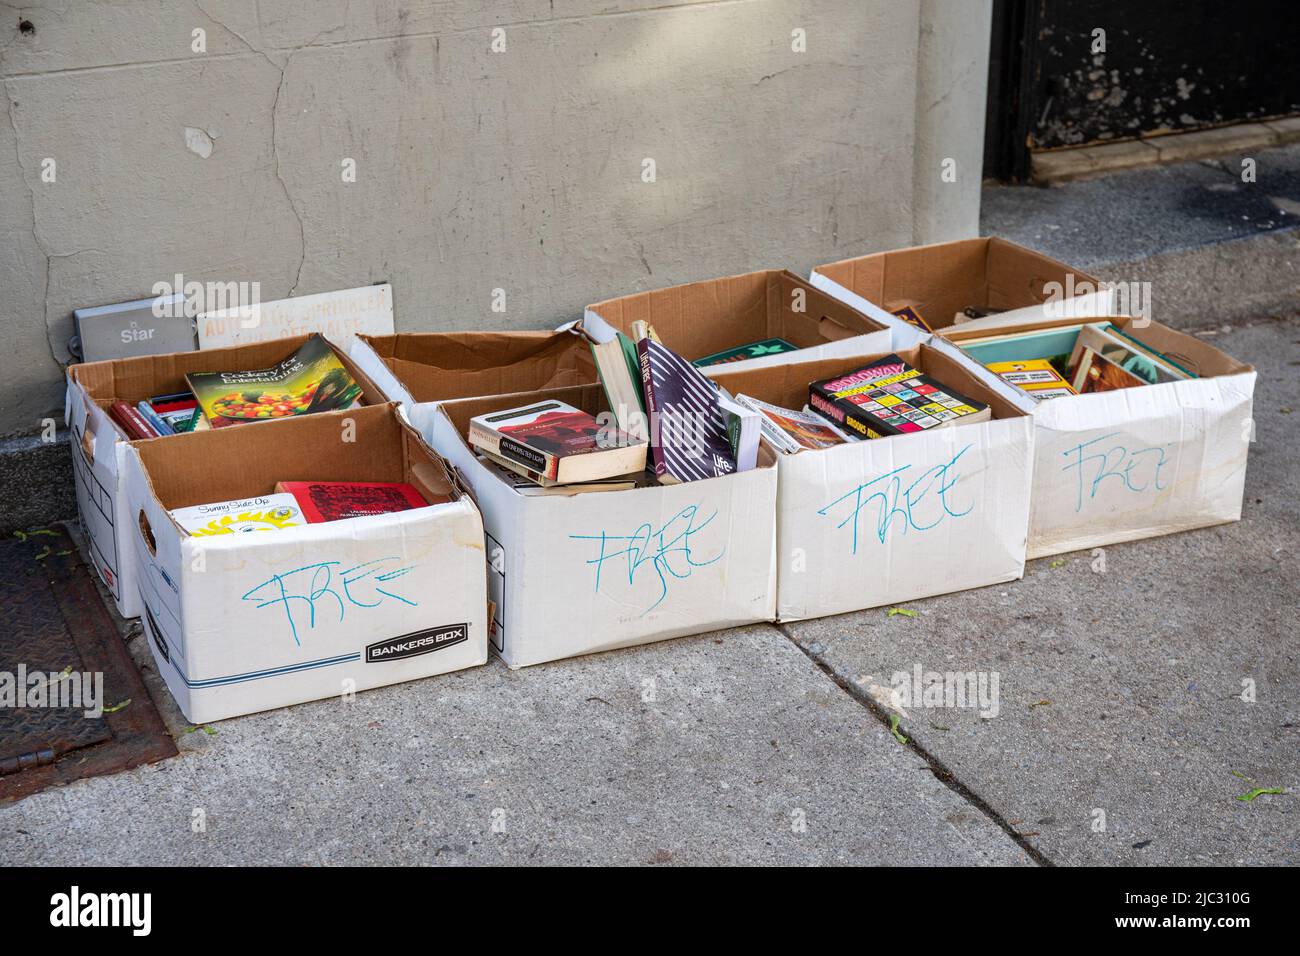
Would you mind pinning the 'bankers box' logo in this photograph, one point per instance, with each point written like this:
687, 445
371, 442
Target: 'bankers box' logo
421, 642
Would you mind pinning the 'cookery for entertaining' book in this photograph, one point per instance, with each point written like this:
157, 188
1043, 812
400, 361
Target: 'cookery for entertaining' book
889, 397
312, 379
557, 441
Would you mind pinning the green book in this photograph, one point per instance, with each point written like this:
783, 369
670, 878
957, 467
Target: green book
742, 352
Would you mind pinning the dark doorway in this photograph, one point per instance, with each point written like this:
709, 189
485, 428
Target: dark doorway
1166, 67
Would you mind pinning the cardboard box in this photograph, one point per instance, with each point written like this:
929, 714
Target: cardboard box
99, 446
940, 280
1137, 462
596, 571
706, 317
888, 520
245, 622
414, 367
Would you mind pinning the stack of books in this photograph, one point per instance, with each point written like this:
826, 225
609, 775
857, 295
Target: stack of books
669, 423
552, 447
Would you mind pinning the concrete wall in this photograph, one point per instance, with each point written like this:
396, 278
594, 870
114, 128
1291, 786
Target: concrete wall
475, 170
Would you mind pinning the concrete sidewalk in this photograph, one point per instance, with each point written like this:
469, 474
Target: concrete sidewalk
1120, 693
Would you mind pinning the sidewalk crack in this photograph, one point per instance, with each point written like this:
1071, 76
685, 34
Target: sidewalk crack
937, 766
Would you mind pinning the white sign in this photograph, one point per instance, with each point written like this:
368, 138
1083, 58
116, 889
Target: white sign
339, 316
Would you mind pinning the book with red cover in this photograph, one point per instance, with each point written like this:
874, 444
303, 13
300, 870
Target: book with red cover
336, 500
131, 421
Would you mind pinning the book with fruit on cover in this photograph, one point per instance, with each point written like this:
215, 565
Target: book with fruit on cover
312, 379
258, 513
789, 431
889, 397
336, 500
558, 442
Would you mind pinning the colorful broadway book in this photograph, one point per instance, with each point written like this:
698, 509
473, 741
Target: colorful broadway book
259, 513
889, 397
336, 500
557, 442
312, 379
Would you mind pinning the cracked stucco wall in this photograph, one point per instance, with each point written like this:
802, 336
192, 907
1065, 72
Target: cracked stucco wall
475, 170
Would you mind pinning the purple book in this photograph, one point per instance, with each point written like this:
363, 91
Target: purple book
688, 436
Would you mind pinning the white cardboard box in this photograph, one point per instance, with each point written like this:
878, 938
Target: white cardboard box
702, 318
240, 623
889, 520
597, 571
939, 280
99, 446
1137, 462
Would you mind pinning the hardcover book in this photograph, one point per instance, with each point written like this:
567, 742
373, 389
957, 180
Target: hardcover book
312, 379
889, 397
336, 500
557, 442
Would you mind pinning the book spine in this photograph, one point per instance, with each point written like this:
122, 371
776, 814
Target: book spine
651, 409
154, 419
131, 421
502, 446
544, 463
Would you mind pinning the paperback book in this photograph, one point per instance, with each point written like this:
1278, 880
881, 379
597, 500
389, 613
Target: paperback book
557, 442
312, 379
889, 397
259, 513
789, 431
1038, 378
689, 431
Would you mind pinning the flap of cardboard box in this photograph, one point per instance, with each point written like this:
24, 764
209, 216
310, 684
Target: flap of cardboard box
136, 379
940, 280
718, 314
437, 366
372, 443
787, 385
